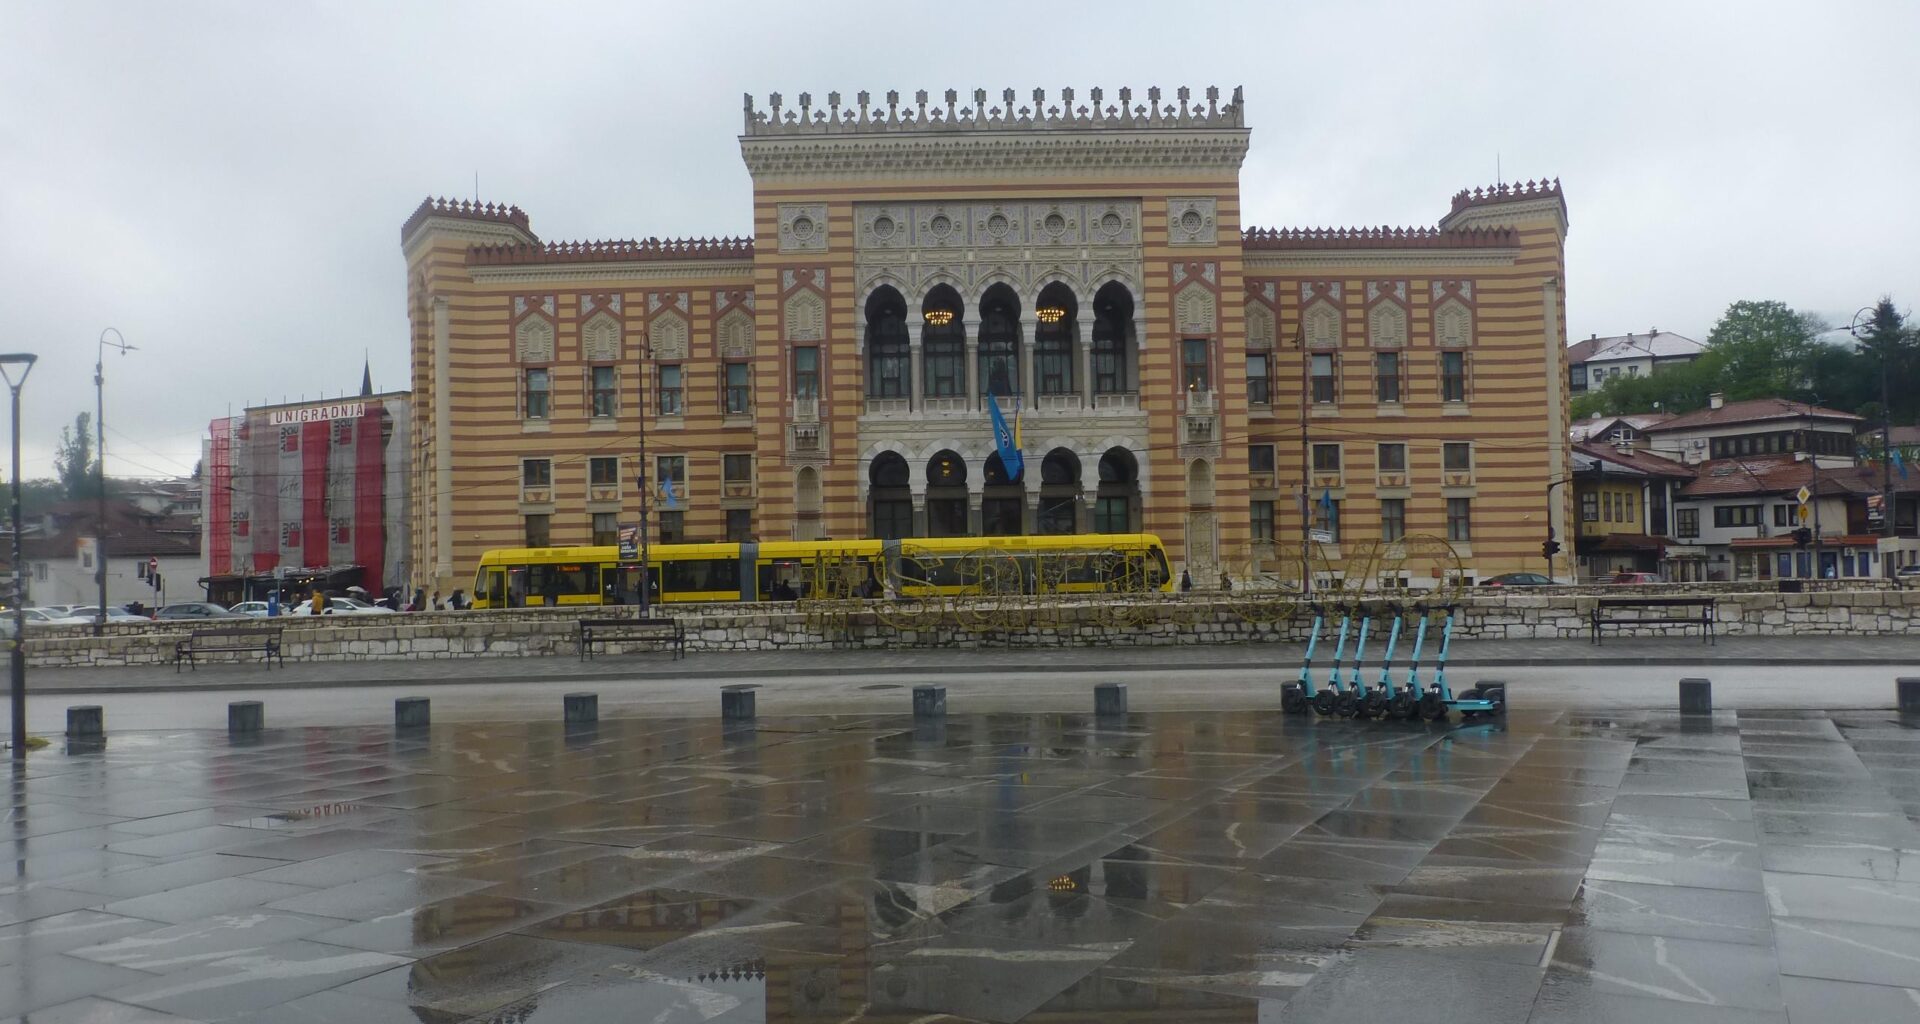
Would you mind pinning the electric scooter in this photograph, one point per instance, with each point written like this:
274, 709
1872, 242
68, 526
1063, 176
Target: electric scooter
1379, 700
1328, 700
1295, 696
1487, 698
1355, 702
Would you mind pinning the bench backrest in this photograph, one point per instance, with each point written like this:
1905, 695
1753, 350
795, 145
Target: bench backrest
607, 623
1655, 602
260, 631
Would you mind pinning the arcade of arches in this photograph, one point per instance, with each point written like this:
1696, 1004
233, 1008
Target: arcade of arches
947, 497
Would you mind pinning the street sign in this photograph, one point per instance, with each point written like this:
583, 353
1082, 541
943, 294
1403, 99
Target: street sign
1803, 494
1320, 536
1805, 513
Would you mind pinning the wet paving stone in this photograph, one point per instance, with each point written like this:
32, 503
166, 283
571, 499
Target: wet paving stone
1169, 867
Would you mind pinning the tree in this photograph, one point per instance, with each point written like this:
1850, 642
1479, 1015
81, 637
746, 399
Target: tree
1764, 349
1890, 356
73, 460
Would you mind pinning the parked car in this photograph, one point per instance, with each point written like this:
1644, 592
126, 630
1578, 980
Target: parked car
1908, 571
88, 613
343, 606
253, 609
1634, 577
1518, 579
55, 615
195, 610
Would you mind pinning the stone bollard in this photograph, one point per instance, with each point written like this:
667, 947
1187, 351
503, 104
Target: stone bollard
1110, 699
1696, 697
1907, 690
86, 721
581, 707
736, 705
412, 713
929, 702
245, 717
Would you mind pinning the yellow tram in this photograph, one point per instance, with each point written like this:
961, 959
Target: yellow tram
789, 570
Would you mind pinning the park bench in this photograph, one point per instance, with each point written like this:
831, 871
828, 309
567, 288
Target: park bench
237, 639
1628, 612
665, 632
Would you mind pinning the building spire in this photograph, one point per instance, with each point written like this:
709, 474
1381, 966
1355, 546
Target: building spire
366, 377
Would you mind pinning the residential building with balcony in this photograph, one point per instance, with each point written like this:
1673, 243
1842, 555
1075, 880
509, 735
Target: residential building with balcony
1591, 363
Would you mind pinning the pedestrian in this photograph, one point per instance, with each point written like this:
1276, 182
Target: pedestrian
458, 601
1226, 582
1186, 581
419, 600
438, 604
319, 603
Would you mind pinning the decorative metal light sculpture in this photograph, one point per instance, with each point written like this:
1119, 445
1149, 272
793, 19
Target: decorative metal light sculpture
939, 317
1050, 314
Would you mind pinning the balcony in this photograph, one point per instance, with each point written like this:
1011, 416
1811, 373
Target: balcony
1201, 403
1057, 403
803, 438
806, 410
1116, 401
950, 405
889, 406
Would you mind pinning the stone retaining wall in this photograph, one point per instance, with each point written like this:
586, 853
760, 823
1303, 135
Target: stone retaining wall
1187, 619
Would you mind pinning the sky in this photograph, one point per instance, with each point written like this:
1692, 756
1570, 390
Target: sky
224, 183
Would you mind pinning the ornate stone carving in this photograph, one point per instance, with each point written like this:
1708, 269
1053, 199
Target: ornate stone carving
1452, 325
1322, 325
1112, 223
997, 224
803, 227
1194, 310
735, 334
669, 336
1054, 223
1260, 326
1190, 221
884, 227
1395, 289
1387, 325
522, 303
533, 340
600, 339
805, 317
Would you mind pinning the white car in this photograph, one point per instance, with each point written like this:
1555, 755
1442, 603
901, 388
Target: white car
56, 616
256, 609
88, 613
343, 606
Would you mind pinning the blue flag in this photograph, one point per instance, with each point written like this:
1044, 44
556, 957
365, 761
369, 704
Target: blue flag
1003, 439
666, 491
1899, 464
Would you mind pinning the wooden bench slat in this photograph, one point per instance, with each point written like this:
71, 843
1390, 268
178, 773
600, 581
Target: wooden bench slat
605, 631
1705, 618
228, 639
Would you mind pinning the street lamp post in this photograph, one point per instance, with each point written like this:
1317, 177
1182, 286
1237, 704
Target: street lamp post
23, 360
100, 466
646, 565
1867, 320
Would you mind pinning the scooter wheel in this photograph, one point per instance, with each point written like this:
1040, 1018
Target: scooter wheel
1400, 706
1323, 703
1345, 705
1374, 706
1292, 701
1432, 708
1498, 695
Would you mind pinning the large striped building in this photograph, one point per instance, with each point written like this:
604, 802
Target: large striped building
1083, 261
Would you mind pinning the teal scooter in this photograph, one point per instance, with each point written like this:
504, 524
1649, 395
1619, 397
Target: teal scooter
1295, 697
1437, 700
1378, 702
1353, 702
1329, 700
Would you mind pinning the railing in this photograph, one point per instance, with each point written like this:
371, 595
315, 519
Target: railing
806, 410
1117, 401
957, 403
1057, 403
889, 406
803, 437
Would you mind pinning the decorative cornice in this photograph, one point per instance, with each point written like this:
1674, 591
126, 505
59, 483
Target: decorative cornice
1099, 116
1258, 239
1301, 259
707, 270
464, 210
1505, 193
993, 154
619, 251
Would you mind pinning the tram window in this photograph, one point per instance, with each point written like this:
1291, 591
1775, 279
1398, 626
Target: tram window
793, 573
700, 574
562, 580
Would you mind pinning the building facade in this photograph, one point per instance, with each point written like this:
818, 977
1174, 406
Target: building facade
1081, 263
309, 493
1591, 363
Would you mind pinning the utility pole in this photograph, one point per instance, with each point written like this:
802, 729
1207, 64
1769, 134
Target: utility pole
100, 482
18, 656
1869, 320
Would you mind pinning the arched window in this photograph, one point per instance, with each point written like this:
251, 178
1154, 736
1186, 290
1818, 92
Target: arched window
1119, 491
1000, 342
943, 343
1054, 334
888, 363
1112, 339
1003, 504
889, 500
1059, 492
947, 498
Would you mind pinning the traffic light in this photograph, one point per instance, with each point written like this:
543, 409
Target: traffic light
1802, 537
1550, 548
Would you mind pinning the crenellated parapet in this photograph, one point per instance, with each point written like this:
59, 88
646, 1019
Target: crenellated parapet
1378, 238
1095, 113
462, 209
616, 251
1507, 193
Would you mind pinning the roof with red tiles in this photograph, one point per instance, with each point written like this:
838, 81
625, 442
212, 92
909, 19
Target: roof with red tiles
1753, 410
1644, 461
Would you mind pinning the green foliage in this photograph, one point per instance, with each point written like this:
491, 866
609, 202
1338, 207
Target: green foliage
73, 460
1769, 350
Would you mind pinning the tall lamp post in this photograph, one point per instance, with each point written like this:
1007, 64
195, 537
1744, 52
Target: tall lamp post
1867, 322
8, 363
100, 465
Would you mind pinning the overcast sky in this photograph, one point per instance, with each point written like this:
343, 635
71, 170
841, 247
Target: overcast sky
225, 183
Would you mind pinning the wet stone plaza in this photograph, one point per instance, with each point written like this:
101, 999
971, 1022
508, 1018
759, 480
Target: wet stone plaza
1167, 867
